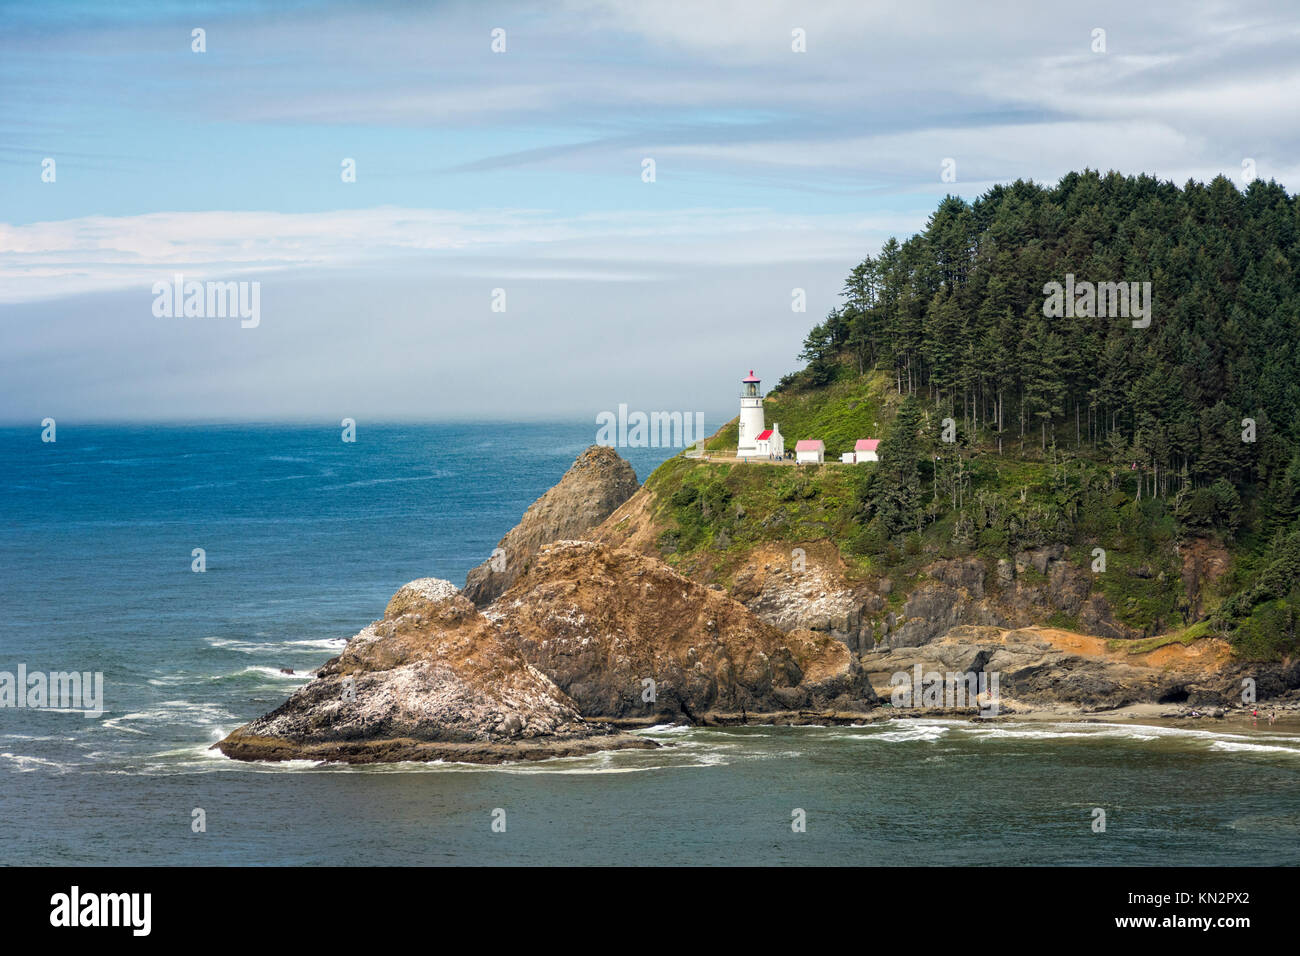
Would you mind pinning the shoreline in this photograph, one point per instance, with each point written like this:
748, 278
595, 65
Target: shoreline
253, 749
1162, 715
1159, 715
388, 750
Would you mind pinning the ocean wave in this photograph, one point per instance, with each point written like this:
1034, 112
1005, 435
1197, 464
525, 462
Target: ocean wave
324, 643
26, 764
233, 644
368, 482
217, 761
1041, 732
606, 762
927, 734
203, 759
274, 647
267, 673
899, 731
666, 729
1234, 746
1216, 740
172, 712
597, 771
610, 762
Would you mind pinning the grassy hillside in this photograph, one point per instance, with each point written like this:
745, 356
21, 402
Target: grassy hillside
849, 408
975, 501
716, 513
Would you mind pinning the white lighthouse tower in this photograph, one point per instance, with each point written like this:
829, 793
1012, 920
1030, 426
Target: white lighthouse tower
751, 416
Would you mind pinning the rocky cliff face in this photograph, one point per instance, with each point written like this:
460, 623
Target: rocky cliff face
593, 487
971, 614
1039, 666
604, 622
808, 591
432, 680
966, 616
807, 585
966, 591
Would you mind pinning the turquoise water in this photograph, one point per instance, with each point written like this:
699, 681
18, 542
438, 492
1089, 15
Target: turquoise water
307, 537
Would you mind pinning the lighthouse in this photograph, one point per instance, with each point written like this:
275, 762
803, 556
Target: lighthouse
751, 416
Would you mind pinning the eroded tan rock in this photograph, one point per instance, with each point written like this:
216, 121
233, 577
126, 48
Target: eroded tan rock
602, 622
432, 680
593, 487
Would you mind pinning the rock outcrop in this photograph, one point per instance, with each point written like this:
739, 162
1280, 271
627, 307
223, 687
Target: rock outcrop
432, 680
1045, 666
807, 590
818, 594
597, 483
965, 611
604, 622
1204, 562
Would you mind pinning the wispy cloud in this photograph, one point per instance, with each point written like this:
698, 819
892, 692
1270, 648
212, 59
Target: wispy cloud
75, 256
775, 169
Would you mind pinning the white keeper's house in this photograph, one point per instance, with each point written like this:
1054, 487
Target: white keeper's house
755, 439
770, 442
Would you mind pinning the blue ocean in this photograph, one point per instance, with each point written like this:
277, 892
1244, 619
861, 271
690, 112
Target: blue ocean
305, 537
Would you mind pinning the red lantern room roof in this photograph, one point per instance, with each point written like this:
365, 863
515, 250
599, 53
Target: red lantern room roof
752, 377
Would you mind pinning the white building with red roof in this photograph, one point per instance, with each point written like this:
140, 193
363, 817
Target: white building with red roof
810, 451
770, 442
864, 449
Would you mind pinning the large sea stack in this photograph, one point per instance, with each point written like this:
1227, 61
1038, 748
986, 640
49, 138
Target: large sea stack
593, 487
628, 638
432, 680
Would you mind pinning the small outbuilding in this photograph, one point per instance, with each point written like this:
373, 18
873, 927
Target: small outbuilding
810, 451
770, 442
864, 449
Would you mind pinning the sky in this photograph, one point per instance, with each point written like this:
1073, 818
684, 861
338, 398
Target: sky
502, 253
